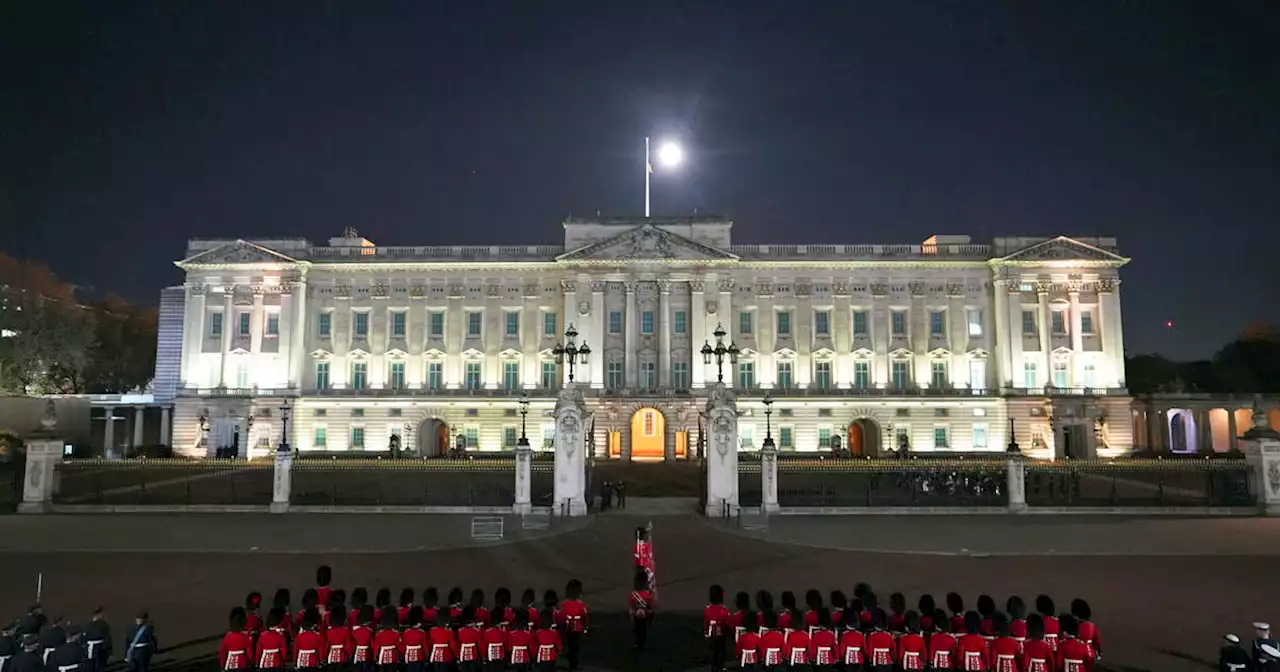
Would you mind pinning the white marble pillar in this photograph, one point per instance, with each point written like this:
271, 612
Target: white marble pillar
38, 485
138, 425
193, 374
166, 431
722, 456
698, 335
664, 334
1016, 338
1003, 339
229, 328
1077, 338
108, 432
1017, 484
524, 499
633, 336
1112, 330
842, 337
769, 478
598, 319
1046, 365
257, 320
570, 447
282, 483
957, 330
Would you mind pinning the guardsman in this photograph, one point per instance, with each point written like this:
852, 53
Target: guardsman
338, 643
140, 644
442, 640
882, 649
236, 649
575, 615
32, 622
551, 603
359, 598
362, 654
838, 604
253, 621
28, 659
282, 600
381, 604
641, 607
987, 610
547, 643
309, 647
897, 613
1045, 607
69, 657
413, 642
1037, 654
430, 606
1005, 650
386, 643
925, 607
788, 609
741, 616
851, 651
812, 603
1073, 654
1262, 659
1232, 657
772, 642
955, 604
795, 649
53, 636
870, 605
520, 642
402, 609
913, 650
8, 645
1088, 632
1017, 618
324, 575
480, 612
942, 644
502, 605
747, 646
494, 639
273, 644
310, 600
764, 605
98, 645
715, 626
531, 611
822, 643
972, 652
469, 641
455, 604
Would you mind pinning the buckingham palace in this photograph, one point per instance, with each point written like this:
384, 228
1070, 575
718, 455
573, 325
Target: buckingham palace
947, 345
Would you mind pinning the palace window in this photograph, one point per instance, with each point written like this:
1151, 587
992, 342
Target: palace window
862, 375
359, 375
1030, 379
937, 323
900, 374
746, 375
940, 437
322, 375
215, 325
938, 378
435, 376
398, 324
396, 377
435, 324
1058, 321
472, 436
548, 380
786, 437
1090, 375
973, 317
1028, 323
321, 437
510, 375
472, 379
361, 322
680, 375
978, 374
273, 324
824, 438
980, 435
860, 323
744, 322
243, 321
615, 322
680, 322
648, 423
242, 374
822, 323
648, 375
746, 437
898, 322
785, 380
1060, 373
1086, 322
357, 437
324, 325
475, 322
513, 324
509, 437
613, 375
548, 324
784, 323
822, 375
646, 322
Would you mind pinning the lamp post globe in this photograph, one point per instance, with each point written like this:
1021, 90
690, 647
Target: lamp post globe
670, 154
768, 415
524, 411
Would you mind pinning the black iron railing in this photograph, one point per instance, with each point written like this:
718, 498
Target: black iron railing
163, 482
1117, 483
402, 483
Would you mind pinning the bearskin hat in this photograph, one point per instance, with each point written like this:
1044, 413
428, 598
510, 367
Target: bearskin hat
415, 616
986, 606
528, 597
573, 590
1080, 609
389, 620
838, 600
940, 622
477, 598
742, 601
282, 599
1035, 626
310, 598
365, 615
972, 623
548, 619
310, 619
276, 617
359, 598
861, 589
715, 594
323, 575
337, 615
1016, 609
1069, 625
897, 603
1044, 605
824, 617
926, 605
455, 595
912, 620
955, 603
764, 601
1000, 623
406, 597
337, 598
383, 599
812, 599
430, 597
502, 596
870, 602
550, 599
238, 621
788, 600
497, 618
878, 619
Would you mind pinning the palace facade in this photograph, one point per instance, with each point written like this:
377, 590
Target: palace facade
941, 346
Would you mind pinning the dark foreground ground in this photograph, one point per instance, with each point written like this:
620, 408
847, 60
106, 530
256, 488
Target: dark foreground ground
1163, 611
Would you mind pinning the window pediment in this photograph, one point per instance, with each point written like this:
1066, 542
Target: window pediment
863, 353
434, 353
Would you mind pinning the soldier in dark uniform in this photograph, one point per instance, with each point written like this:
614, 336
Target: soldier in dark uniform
140, 644
97, 642
31, 623
8, 645
53, 636
1232, 657
28, 659
1262, 660
69, 657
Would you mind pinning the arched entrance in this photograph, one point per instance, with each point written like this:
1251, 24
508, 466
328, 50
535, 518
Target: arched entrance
648, 434
1182, 431
863, 438
433, 438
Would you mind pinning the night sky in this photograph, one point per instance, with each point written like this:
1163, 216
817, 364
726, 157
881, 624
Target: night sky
127, 127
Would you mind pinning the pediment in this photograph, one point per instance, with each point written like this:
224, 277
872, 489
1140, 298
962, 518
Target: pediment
785, 353
824, 352
901, 352
1063, 248
397, 353
358, 353
863, 352
472, 353
238, 252
647, 243
238, 350
434, 353
321, 353
1061, 351
547, 353
939, 352
510, 353
747, 352
979, 353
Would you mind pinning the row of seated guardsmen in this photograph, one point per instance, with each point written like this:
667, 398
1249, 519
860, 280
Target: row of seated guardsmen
409, 636
830, 639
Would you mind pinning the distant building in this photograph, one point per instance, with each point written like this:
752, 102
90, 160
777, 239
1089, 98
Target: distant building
935, 346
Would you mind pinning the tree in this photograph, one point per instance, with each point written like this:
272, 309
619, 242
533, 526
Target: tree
1250, 363
47, 343
124, 354
1148, 374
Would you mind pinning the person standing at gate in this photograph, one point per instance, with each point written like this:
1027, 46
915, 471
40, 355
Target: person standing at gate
621, 489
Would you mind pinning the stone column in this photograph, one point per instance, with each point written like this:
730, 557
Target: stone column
664, 334
524, 499
1004, 371
1262, 450
282, 484
138, 425
256, 325
166, 431
1231, 429
108, 432
1016, 358
698, 312
229, 327
633, 337
1109, 326
722, 456
768, 477
1046, 364
724, 316
193, 337
298, 370
598, 319
1077, 337
918, 335
43, 456
842, 336
570, 442
1017, 486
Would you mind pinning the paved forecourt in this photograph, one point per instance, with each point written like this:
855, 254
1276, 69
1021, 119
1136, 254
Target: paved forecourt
1158, 611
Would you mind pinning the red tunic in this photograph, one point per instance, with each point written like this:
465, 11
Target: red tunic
519, 641
1089, 635
1005, 652
912, 651
307, 650
412, 645
881, 648
444, 645
495, 644
272, 651
234, 652
735, 624
852, 648
1037, 656
986, 628
1051, 631
957, 624
1074, 656
641, 603
748, 648
784, 620
402, 614
340, 645
898, 623
771, 644
795, 649
253, 623
549, 645
468, 644
822, 647
429, 616
926, 625
810, 619
535, 616
574, 613
973, 654
1018, 630
322, 595
942, 647
362, 644
386, 647
716, 620
837, 615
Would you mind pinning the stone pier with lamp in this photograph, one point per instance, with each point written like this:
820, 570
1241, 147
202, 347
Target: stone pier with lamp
44, 452
1262, 450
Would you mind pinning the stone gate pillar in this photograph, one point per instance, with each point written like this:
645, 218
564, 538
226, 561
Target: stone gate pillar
722, 457
524, 465
44, 452
1262, 451
570, 447
769, 477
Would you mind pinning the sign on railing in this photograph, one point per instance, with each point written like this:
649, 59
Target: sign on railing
487, 528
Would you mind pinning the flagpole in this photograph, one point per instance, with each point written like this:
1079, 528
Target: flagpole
648, 168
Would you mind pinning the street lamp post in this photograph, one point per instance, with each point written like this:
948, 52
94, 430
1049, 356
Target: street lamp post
719, 352
523, 443
670, 155
284, 428
768, 427
570, 352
